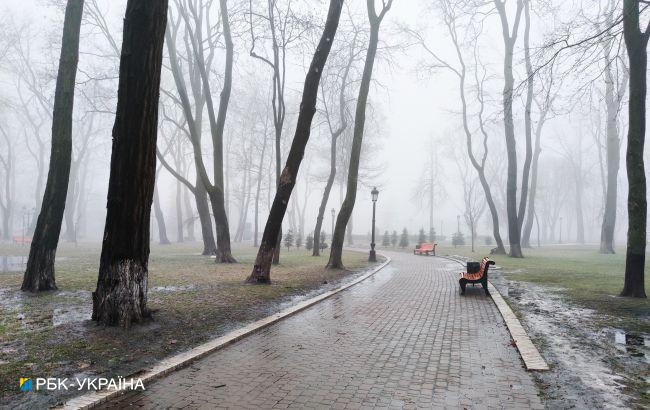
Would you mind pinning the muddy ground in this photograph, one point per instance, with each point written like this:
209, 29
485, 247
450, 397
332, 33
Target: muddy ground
594, 362
194, 300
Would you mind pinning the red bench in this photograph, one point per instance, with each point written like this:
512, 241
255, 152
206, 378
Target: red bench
21, 239
478, 277
425, 249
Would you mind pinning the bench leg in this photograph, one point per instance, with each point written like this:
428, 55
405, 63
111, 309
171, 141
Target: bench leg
485, 288
462, 282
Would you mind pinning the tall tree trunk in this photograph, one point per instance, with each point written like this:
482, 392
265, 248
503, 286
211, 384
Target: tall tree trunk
613, 148
260, 174
160, 218
528, 121
326, 195
262, 270
514, 225
39, 275
121, 294
636, 43
532, 194
338, 237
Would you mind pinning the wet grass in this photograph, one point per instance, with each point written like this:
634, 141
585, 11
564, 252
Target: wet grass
585, 276
193, 299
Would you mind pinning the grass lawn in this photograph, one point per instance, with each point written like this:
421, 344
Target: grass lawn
582, 274
193, 299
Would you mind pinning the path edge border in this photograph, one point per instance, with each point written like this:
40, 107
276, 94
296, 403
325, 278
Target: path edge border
184, 359
528, 352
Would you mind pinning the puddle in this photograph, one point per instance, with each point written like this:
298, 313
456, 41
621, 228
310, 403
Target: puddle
582, 376
635, 345
173, 288
13, 263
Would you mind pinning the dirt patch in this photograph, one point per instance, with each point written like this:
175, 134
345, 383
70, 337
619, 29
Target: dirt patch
593, 365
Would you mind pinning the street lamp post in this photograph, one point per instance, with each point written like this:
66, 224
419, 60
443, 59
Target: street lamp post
333, 217
560, 229
458, 223
373, 254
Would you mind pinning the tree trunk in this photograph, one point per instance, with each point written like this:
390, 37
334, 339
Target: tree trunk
189, 211
528, 226
523, 200
338, 237
39, 275
580, 220
70, 234
203, 209
160, 218
262, 270
121, 294
636, 43
514, 225
613, 148
179, 213
257, 192
326, 196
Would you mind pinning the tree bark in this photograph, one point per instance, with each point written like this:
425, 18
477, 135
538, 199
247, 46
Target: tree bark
636, 43
121, 294
262, 270
338, 237
39, 275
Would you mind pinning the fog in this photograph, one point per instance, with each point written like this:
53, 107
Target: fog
414, 109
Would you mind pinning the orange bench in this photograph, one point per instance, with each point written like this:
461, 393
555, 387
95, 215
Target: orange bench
22, 239
479, 277
425, 249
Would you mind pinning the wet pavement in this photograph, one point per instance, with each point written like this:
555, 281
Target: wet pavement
403, 338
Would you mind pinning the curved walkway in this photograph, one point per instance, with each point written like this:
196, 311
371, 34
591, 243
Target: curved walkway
403, 338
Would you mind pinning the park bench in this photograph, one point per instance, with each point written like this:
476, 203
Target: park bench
21, 239
480, 276
425, 249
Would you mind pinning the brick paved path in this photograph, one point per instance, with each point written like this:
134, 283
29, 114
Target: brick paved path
403, 338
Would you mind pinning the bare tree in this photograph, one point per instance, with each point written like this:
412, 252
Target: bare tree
333, 96
270, 240
375, 19
121, 294
510, 35
39, 274
284, 29
196, 16
636, 42
614, 92
544, 107
450, 16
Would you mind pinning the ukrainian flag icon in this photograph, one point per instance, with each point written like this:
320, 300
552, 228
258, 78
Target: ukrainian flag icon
25, 384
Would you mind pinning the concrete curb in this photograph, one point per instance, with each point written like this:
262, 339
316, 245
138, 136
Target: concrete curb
184, 359
531, 357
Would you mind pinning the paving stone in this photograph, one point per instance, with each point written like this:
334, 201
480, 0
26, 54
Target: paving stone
404, 338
